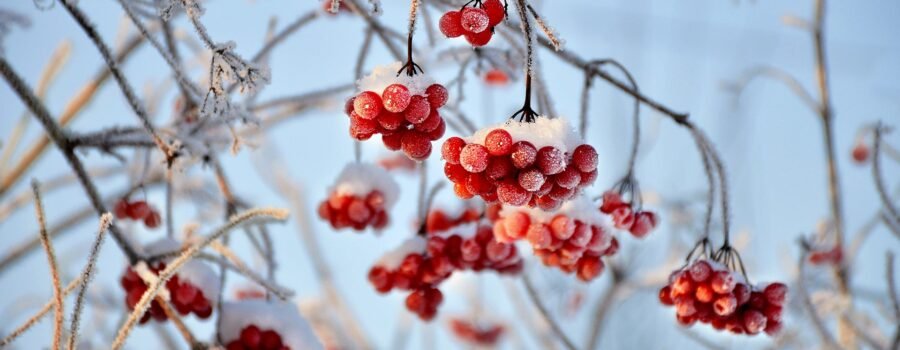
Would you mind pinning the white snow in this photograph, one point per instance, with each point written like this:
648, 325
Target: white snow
359, 179
543, 132
385, 75
579, 208
392, 259
281, 317
465, 231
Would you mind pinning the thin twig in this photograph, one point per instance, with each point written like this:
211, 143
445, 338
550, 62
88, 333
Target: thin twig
54, 267
86, 276
536, 300
891, 211
892, 295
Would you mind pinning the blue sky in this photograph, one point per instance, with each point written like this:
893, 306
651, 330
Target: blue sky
681, 53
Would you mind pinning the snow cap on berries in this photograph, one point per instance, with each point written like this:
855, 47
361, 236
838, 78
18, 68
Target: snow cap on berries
392, 259
283, 318
544, 131
360, 179
383, 76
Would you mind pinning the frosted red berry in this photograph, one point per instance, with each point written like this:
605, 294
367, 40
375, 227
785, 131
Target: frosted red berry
396, 98
417, 110
474, 158
367, 105
416, 145
479, 39
523, 154
495, 11
437, 95
498, 142
474, 20
450, 24
585, 158
451, 149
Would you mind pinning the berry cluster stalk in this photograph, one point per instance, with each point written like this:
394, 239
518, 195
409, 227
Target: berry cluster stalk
410, 66
526, 114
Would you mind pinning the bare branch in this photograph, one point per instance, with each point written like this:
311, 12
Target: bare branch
86, 276
54, 267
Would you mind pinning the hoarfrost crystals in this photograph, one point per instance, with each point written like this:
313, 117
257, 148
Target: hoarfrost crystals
168, 7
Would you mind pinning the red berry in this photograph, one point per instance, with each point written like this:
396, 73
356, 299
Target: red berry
775, 293
531, 180
474, 158
700, 271
251, 336
550, 160
348, 106
121, 209
523, 154
725, 305
153, 220
569, 178
437, 95
511, 193
623, 218
438, 132
741, 293
754, 322
474, 20
451, 149
270, 340
684, 306
367, 105
773, 327
455, 173
722, 282
430, 123
415, 145
362, 129
517, 224
478, 183
496, 77
589, 268
499, 168
391, 121
461, 191
396, 98
611, 201
494, 10
539, 236
588, 178
860, 153
665, 296
418, 110
186, 293
359, 212
682, 285
450, 24
138, 210
498, 142
479, 39
585, 158
644, 222
562, 227
704, 293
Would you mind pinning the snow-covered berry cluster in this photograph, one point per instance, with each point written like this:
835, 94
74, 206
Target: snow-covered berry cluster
539, 164
193, 289
263, 325
138, 211
422, 263
708, 292
476, 333
572, 238
410, 268
638, 222
475, 23
360, 198
402, 108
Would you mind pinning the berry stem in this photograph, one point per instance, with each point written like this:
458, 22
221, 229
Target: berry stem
527, 113
410, 66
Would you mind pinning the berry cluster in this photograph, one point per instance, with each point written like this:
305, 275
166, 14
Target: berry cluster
638, 223
472, 246
253, 338
403, 109
708, 292
185, 296
521, 163
410, 268
475, 23
476, 334
572, 239
347, 211
360, 198
440, 220
138, 211
496, 77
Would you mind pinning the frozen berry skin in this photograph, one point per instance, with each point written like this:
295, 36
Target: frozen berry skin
138, 210
415, 145
461, 191
665, 296
455, 173
438, 132
725, 305
511, 193
362, 129
451, 149
644, 222
722, 282
437, 95
396, 98
585, 158
550, 160
474, 158
417, 109
775, 293
569, 178
474, 20
348, 106
498, 142
479, 39
700, 271
367, 105
153, 220
531, 180
499, 168
495, 11
392, 141
754, 322
390, 121
741, 293
451, 24
523, 154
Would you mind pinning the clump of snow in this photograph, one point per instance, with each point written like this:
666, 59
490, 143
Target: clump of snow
359, 179
465, 230
393, 258
544, 131
385, 75
283, 318
579, 208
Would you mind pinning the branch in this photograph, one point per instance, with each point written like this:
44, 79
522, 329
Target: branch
778, 75
86, 276
54, 267
890, 211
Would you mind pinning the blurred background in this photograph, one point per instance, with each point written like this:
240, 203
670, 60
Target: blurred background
685, 54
